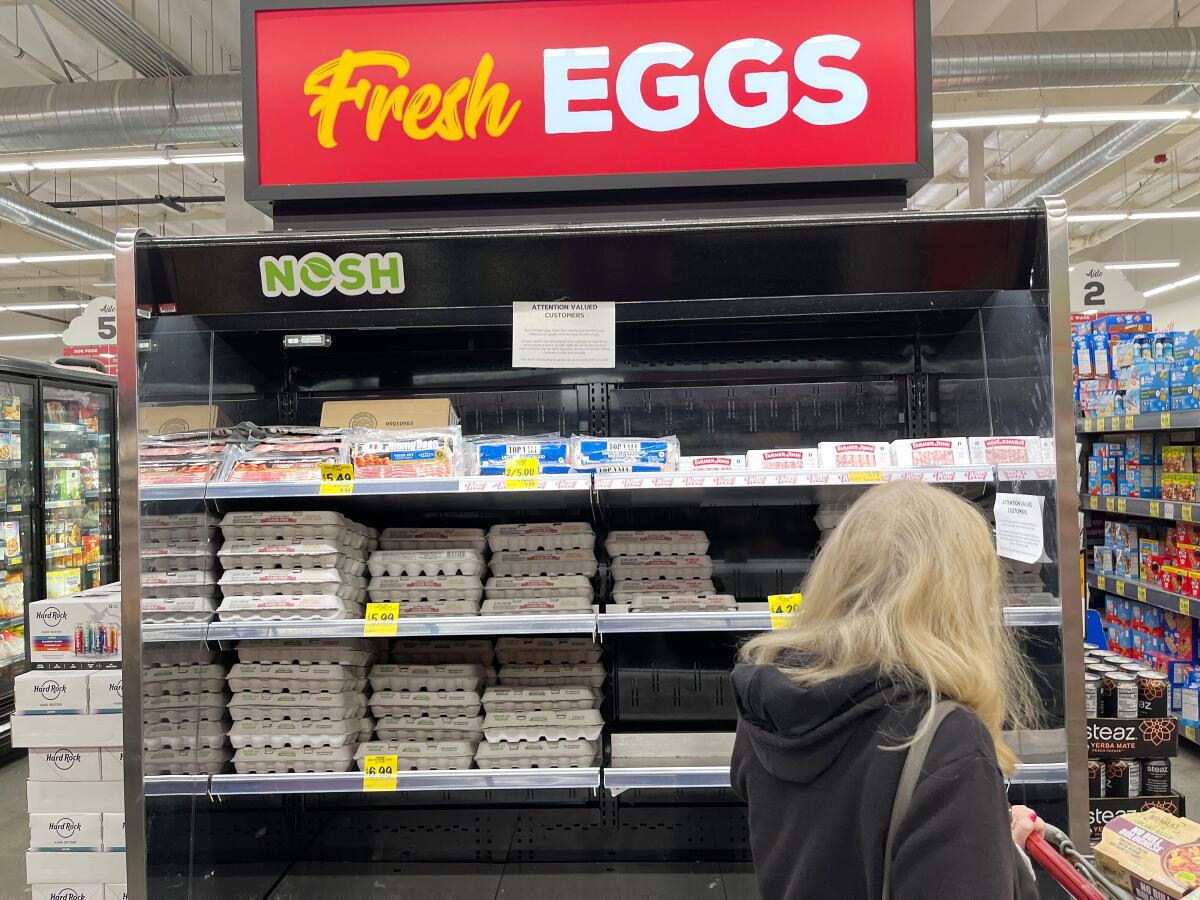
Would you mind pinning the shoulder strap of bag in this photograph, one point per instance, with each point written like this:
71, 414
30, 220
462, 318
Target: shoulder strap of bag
913, 764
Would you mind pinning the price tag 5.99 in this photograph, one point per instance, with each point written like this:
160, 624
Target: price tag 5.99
381, 620
783, 607
379, 773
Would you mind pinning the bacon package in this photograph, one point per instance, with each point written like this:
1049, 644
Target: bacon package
178, 459
432, 453
783, 458
713, 463
950, 451
285, 454
854, 454
1005, 450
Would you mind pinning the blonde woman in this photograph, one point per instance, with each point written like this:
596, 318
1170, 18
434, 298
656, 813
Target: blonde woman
902, 609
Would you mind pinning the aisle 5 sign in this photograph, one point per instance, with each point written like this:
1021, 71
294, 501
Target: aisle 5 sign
534, 95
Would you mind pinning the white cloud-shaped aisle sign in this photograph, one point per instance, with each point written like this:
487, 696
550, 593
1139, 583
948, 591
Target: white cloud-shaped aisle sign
95, 326
1094, 286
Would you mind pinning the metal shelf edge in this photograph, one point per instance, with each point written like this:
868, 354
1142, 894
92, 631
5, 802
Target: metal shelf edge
1133, 589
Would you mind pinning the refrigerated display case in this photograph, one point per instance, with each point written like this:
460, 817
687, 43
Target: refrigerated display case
732, 335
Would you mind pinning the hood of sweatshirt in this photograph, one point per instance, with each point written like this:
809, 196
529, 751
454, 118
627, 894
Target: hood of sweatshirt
799, 731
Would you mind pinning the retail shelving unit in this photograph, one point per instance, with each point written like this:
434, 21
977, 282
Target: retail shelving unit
731, 333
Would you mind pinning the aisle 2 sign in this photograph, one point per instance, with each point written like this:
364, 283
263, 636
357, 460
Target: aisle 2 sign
1094, 286
351, 98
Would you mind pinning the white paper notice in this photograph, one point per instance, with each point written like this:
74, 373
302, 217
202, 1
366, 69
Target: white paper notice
564, 335
1019, 527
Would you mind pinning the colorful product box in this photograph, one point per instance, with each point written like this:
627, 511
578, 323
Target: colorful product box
1101, 358
70, 631
1181, 487
1147, 548
1102, 559
1125, 352
1141, 448
1184, 397
1179, 635
1081, 354
1123, 323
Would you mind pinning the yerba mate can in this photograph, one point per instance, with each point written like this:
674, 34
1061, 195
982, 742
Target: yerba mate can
1153, 691
1126, 694
1091, 694
1096, 778
1123, 778
1156, 776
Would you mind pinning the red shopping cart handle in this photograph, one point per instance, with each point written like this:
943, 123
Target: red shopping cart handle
1061, 870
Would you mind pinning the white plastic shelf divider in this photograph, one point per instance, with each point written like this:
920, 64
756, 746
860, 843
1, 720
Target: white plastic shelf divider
751, 478
1026, 616
1026, 472
352, 782
171, 632
640, 623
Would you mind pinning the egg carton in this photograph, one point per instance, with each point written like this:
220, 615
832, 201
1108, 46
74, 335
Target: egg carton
176, 681
309, 555
625, 591
347, 651
516, 675
433, 539
183, 654
527, 564
208, 734
416, 677
425, 703
439, 608
288, 607
683, 602
305, 733
406, 589
542, 536
497, 606
426, 562
430, 728
177, 528
525, 699
277, 760
207, 761
435, 651
422, 755
178, 609
260, 582
547, 650
176, 583
544, 725
209, 707
656, 543
262, 706
338, 535
183, 671
182, 556
297, 679
506, 587
660, 568
536, 754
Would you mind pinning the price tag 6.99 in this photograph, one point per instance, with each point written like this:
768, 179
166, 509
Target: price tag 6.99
379, 773
783, 607
381, 620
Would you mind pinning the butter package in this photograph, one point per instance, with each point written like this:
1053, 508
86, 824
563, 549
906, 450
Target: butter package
950, 451
606, 454
784, 458
489, 455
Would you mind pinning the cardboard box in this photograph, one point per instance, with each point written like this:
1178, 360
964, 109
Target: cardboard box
69, 631
51, 693
67, 731
1138, 738
74, 831
104, 691
1144, 853
1102, 810
116, 892
64, 764
174, 419
78, 796
58, 890
113, 830
112, 765
42, 867
389, 415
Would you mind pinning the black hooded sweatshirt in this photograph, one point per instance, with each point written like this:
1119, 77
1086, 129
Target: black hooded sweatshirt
820, 791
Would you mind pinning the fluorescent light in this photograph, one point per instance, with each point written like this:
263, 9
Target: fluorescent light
1134, 266
9, 260
42, 307
199, 159
1163, 288
112, 284
983, 121
108, 162
66, 257
1136, 114
1168, 214
47, 336
1097, 217
15, 167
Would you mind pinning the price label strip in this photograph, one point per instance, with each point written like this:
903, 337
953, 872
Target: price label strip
1155, 508
1185, 606
1141, 593
379, 773
337, 479
1094, 502
783, 607
866, 476
381, 620
1185, 512
1101, 582
521, 474
1122, 505
1110, 504
1164, 420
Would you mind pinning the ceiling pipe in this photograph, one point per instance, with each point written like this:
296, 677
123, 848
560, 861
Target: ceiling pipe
20, 54
122, 35
37, 216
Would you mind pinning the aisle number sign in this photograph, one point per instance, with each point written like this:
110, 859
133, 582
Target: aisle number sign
783, 607
337, 479
381, 620
521, 474
379, 772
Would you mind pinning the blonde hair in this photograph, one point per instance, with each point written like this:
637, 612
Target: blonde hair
910, 582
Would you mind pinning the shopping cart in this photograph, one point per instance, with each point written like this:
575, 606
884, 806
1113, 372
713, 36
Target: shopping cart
1076, 873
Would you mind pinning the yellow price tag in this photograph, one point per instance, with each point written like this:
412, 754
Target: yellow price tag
1129, 423
337, 478
1089, 424
1122, 505
866, 476
1110, 504
1185, 606
1141, 593
1185, 511
1094, 502
783, 607
1155, 508
1164, 420
381, 620
1101, 582
379, 773
1119, 588
521, 474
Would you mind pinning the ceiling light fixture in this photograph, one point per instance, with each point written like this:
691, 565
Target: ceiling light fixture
943, 123
1136, 266
15, 167
1097, 217
85, 256
46, 336
1167, 214
1163, 288
1136, 114
107, 162
200, 159
42, 307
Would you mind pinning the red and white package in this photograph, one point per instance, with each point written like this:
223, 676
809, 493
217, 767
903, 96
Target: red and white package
947, 451
716, 463
784, 458
854, 454
995, 451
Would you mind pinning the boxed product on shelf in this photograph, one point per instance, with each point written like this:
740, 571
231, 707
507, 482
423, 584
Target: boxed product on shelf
66, 831
536, 754
1149, 853
527, 538
491, 454
413, 589
656, 543
714, 463
952, 451
163, 421
413, 563
64, 764
500, 606
1005, 450
429, 755
301, 554
1101, 354
413, 412
783, 458
661, 568
568, 725
432, 453
300, 733
515, 699
854, 454
51, 692
1177, 459
511, 586
625, 454
113, 828
1180, 487
74, 630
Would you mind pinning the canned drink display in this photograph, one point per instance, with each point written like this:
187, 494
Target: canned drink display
1125, 694
1091, 694
1089, 648
1096, 778
1107, 707
1153, 692
1134, 667
1123, 778
1156, 776
1101, 668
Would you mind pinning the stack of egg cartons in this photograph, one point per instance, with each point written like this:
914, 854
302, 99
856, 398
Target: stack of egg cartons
179, 574
300, 705
541, 568
429, 571
545, 711
664, 571
183, 711
293, 565
427, 703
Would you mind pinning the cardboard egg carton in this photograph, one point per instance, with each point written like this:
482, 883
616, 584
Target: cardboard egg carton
177, 583
417, 677
168, 708
438, 650
661, 568
513, 606
531, 563
433, 539
306, 554
348, 651
425, 703
627, 591
208, 734
587, 674
547, 650
679, 602
506, 587
304, 733
205, 761
430, 563
277, 760
295, 678
535, 754
430, 728
673, 542
182, 654
262, 706
177, 528
420, 755
175, 681
415, 589
439, 608
288, 607
298, 527
266, 582
526, 699
544, 725
178, 556
178, 609
541, 536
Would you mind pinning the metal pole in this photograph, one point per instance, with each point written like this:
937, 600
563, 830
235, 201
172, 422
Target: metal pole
976, 185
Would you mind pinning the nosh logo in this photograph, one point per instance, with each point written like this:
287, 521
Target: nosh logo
317, 274
63, 759
51, 690
65, 827
52, 616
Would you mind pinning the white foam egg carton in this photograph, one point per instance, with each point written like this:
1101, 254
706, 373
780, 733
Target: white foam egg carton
295, 678
412, 589
177, 528
304, 733
422, 755
184, 735
176, 681
625, 591
189, 708
673, 542
178, 609
661, 568
547, 650
435, 650
535, 754
526, 564
542, 536
430, 728
260, 582
178, 555
177, 583
417, 677
263, 706
426, 562
504, 606
544, 725
205, 761
439, 608
517, 675
288, 607
525, 699
505, 587
177, 655
347, 651
308, 555
425, 703
682, 602
276, 760
337, 535
433, 539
